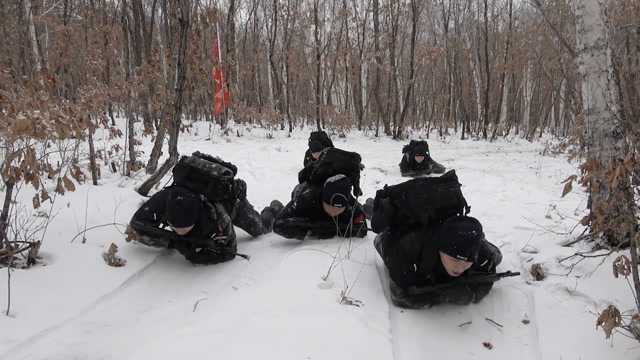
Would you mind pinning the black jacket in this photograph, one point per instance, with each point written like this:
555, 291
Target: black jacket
212, 222
413, 260
304, 213
322, 138
410, 167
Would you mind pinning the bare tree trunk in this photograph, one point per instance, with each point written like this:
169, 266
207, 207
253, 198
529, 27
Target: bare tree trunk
184, 7
393, 87
4, 216
316, 34
415, 14
156, 151
230, 57
612, 203
487, 72
92, 154
378, 60
503, 76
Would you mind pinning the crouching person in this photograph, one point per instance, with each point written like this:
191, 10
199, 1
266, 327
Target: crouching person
450, 262
180, 219
319, 211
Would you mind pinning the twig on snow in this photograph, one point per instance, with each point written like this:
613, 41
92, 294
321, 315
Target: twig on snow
494, 322
195, 305
96, 227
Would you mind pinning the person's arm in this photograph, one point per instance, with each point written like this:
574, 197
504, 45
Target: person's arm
295, 220
465, 293
289, 224
307, 158
405, 166
152, 211
144, 226
489, 258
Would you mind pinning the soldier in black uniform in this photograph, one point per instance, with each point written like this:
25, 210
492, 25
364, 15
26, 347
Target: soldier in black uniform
318, 141
199, 228
322, 212
424, 257
416, 160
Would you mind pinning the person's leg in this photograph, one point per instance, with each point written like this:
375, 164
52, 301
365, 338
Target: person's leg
269, 213
247, 218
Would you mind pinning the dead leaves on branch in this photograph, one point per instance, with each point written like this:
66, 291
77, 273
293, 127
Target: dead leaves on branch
622, 266
609, 319
568, 182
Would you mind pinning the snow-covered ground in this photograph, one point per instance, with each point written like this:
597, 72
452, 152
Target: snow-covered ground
277, 305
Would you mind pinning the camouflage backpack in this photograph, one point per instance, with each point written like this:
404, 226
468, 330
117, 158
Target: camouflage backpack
207, 175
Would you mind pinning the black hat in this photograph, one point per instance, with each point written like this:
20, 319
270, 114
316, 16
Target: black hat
460, 237
421, 148
315, 146
337, 191
183, 208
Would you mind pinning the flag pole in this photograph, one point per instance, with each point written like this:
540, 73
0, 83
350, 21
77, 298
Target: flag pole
219, 47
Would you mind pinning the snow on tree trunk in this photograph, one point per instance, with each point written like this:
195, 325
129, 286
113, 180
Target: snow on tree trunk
606, 175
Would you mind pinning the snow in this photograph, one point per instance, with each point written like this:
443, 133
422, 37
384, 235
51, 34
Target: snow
278, 305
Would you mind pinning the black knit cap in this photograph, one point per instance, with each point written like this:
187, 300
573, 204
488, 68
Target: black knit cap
337, 191
183, 208
460, 237
315, 146
421, 148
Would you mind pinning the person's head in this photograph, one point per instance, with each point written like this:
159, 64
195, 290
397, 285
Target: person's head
420, 151
459, 239
316, 148
183, 210
336, 194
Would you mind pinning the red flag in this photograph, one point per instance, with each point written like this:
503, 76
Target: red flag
221, 95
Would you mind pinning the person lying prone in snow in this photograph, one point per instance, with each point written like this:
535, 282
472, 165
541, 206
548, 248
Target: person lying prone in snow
322, 212
416, 160
439, 264
199, 230
199, 210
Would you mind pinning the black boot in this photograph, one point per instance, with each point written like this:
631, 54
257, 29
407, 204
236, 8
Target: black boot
269, 213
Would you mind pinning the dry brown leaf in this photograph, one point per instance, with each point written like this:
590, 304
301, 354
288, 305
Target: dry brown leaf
585, 220
609, 319
44, 195
537, 272
36, 201
111, 257
77, 174
60, 188
68, 184
567, 189
622, 266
